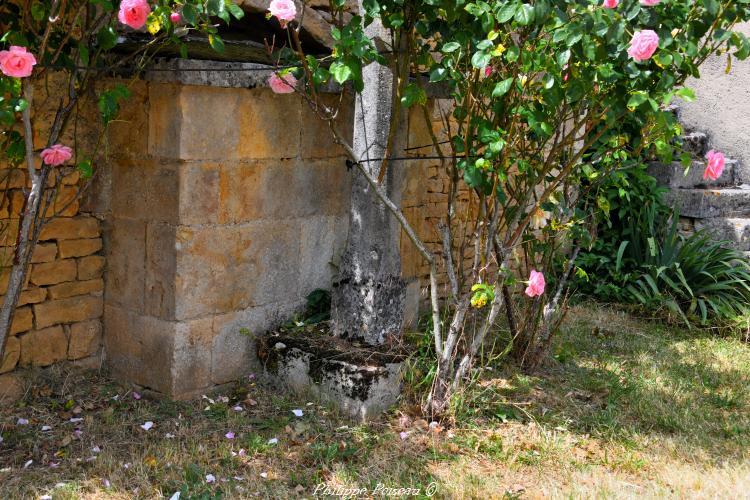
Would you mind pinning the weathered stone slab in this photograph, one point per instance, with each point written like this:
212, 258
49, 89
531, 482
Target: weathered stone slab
73, 288
69, 310
673, 175
90, 267
50, 273
695, 143
85, 339
707, 203
736, 231
79, 248
43, 347
362, 387
70, 228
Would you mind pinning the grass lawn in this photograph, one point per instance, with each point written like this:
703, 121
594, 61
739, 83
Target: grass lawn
628, 408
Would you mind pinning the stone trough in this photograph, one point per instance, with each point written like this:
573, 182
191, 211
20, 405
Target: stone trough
361, 381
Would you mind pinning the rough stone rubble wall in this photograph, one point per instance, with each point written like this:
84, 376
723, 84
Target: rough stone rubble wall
59, 312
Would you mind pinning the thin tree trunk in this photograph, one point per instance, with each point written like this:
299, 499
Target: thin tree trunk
24, 246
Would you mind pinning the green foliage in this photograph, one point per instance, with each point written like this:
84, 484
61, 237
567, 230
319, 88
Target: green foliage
694, 277
640, 257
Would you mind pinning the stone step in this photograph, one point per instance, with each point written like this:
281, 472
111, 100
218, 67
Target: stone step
673, 175
708, 203
695, 143
734, 230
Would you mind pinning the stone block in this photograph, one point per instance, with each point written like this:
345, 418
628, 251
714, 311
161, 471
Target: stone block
250, 191
321, 187
44, 252
164, 120
85, 339
9, 234
322, 242
5, 277
199, 193
673, 175
50, 273
72, 178
79, 248
65, 202
70, 310
23, 320
73, 288
160, 271
12, 178
209, 126
316, 138
736, 231
191, 361
90, 267
139, 348
234, 347
222, 269
245, 191
11, 355
66, 228
128, 135
126, 256
267, 124
43, 347
707, 203
32, 296
145, 189
14, 204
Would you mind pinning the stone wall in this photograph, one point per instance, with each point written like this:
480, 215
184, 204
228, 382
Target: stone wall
59, 311
217, 210
225, 207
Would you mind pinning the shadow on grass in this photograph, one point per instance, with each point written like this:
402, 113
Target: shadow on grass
630, 382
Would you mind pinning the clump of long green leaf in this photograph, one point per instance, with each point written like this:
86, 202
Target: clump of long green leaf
641, 257
694, 277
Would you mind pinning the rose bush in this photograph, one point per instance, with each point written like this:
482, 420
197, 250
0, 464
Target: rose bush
548, 98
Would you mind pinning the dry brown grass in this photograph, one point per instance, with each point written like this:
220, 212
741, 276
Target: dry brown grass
627, 409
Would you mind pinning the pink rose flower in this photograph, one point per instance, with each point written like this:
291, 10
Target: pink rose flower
643, 45
282, 84
16, 62
715, 165
175, 17
283, 10
536, 284
610, 4
134, 13
650, 3
56, 155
